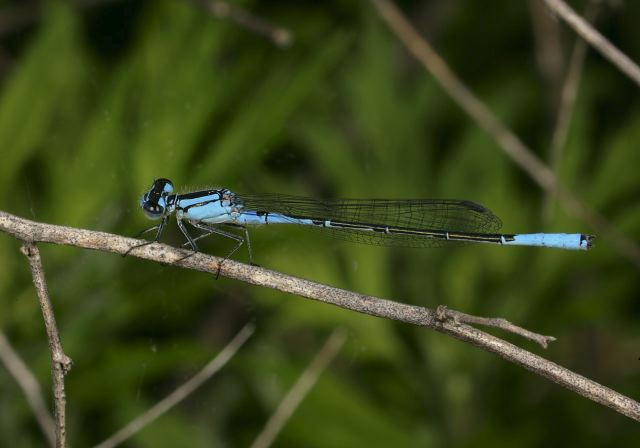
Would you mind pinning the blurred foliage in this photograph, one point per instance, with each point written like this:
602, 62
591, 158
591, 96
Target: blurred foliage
96, 103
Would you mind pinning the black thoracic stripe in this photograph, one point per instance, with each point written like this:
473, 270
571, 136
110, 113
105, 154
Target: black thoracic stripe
198, 204
197, 194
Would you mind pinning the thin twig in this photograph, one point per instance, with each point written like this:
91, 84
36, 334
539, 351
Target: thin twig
181, 392
26, 230
281, 37
60, 362
506, 139
30, 387
444, 313
567, 102
300, 390
597, 40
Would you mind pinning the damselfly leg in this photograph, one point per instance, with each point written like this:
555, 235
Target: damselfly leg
211, 230
159, 227
235, 237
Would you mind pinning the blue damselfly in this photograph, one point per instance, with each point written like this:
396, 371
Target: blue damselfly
387, 222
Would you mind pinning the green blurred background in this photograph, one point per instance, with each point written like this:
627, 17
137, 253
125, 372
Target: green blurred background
96, 102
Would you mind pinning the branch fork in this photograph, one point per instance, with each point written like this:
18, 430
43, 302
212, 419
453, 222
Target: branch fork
442, 319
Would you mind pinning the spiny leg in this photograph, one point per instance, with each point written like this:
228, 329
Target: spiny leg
189, 238
160, 227
218, 231
210, 230
187, 235
199, 237
246, 238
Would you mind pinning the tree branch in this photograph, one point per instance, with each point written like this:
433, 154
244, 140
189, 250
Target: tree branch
60, 363
443, 313
32, 231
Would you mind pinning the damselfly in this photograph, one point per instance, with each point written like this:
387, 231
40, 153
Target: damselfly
387, 222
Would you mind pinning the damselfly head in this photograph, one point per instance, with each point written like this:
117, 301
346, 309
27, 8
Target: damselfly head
154, 201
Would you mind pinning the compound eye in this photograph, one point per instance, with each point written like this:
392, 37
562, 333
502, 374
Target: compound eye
153, 211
